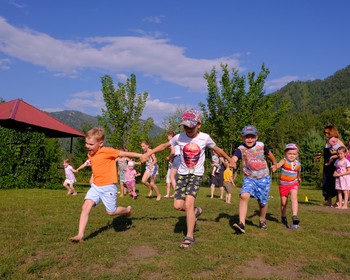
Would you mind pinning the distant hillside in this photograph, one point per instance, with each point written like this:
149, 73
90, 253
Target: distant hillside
75, 119
78, 119
318, 95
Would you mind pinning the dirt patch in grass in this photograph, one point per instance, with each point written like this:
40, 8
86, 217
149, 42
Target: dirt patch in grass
257, 268
143, 251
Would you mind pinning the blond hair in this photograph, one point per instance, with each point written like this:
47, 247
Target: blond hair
97, 132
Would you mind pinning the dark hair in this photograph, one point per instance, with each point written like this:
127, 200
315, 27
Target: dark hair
332, 131
145, 142
171, 132
342, 149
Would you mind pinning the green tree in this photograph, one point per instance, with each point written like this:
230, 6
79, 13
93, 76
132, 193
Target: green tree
171, 122
231, 106
121, 118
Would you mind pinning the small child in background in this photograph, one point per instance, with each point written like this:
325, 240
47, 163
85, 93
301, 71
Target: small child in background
168, 180
228, 182
215, 163
130, 179
289, 183
335, 144
70, 177
342, 178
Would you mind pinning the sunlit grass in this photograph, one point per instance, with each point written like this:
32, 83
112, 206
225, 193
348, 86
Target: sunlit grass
36, 226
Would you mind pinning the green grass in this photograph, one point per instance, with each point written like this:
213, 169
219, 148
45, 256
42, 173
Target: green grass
36, 225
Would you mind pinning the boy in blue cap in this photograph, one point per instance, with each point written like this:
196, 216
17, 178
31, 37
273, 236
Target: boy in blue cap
256, 182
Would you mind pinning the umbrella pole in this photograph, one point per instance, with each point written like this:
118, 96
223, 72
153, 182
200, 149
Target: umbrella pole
71, 148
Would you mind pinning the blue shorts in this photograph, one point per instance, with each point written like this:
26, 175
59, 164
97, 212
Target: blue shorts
257, 188
153, 171
108, 195
176, 161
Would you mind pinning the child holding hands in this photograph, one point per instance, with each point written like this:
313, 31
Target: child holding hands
70, 177
192, 147
130, 179
289, 183
103, 180
256, 182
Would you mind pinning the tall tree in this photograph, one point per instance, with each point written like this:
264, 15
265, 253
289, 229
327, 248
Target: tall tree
121, 118
230, 106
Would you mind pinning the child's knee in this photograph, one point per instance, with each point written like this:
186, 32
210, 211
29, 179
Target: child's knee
244, 196
179, 205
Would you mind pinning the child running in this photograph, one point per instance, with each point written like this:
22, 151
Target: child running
256, 182
289, 183
130, 179
342, 178
192, 147
103, 180
151, 171
70, 177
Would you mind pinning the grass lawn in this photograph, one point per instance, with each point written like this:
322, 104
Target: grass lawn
36, 226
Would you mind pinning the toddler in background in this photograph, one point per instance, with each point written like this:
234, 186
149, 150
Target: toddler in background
130, 179
342, 178
168, 180
229, 182
335, 145
70, 177
215, 162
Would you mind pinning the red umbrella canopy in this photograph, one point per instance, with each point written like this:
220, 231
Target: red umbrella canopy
18, 114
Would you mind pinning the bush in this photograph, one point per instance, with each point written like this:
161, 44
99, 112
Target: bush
28, 159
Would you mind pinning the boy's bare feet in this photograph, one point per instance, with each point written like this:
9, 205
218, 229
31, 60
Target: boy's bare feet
159, 197
128, 213
76, 238
149, 194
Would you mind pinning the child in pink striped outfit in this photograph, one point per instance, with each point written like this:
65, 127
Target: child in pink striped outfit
130, 178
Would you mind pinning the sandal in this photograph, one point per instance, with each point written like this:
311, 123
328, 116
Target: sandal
187, 242
198, 212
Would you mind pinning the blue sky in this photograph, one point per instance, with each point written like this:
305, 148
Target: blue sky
53, 53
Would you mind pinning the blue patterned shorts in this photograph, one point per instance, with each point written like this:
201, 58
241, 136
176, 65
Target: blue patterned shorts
257, 188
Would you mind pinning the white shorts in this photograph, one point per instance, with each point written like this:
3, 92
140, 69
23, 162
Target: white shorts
108, 195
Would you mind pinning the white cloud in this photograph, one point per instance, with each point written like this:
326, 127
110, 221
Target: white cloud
122, 77
92, 102
276, 84
18, 5
154, 19
153, 57
4, 64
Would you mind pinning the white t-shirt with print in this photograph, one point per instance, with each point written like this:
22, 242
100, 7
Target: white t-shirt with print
192, 152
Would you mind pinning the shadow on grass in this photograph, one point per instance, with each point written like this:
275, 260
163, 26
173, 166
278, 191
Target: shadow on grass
181, 226
269, 217
119, 224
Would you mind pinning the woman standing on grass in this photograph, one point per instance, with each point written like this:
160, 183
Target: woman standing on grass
328, 180
151, 171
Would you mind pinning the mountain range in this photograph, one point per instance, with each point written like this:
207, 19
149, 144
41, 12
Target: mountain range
78, 120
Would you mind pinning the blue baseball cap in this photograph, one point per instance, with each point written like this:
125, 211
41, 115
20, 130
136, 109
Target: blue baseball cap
249, 130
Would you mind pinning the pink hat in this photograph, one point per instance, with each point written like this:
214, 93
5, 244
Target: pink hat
291, 146
191, 118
